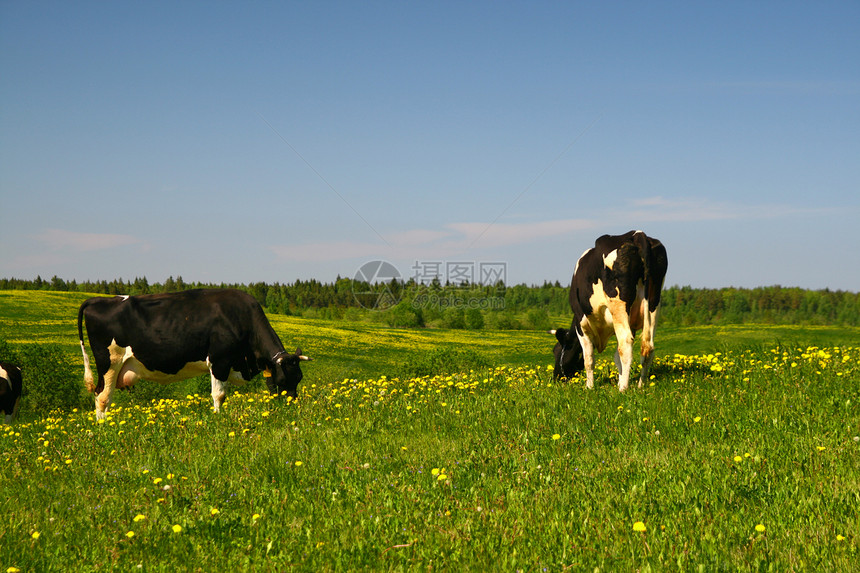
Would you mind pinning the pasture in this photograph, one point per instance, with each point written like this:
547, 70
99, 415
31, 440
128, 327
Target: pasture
447, 450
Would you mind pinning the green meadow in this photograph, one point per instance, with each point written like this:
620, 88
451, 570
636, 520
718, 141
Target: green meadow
442, 449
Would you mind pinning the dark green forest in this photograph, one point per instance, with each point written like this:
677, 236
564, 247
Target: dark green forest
411, 304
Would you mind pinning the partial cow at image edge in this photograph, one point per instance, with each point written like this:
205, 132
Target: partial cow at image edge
11, 388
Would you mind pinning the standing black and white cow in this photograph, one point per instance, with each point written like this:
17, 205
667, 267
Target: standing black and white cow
11, 386
615, 289
171, 337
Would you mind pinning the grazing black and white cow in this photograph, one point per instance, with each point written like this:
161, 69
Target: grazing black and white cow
171, 337
615, 289
11, 385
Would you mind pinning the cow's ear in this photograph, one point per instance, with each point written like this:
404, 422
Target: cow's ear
560, 334
302, 356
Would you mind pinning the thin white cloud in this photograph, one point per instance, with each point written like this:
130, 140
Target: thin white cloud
418, 237
658, 209
461, 237
504, 234
60, 239
454, 239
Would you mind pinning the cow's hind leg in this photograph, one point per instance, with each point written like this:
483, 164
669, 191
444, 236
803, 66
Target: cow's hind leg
647, 345
624, 359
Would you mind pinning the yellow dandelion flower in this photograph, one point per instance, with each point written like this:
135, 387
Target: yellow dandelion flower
214, 511
298, 463
255, 517
840, 538
139, 517
820, 448
556, 436
639, 526
35, 535
442, 477
435, 471
13, 570
177, 528
129, 534
738, 459
760, 528
697, 419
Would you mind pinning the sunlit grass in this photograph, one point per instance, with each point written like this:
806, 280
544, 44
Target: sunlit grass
746, 459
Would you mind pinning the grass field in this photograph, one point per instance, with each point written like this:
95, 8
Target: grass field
743, 453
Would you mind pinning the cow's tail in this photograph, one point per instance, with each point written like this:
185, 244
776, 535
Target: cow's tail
88, 373
653, 255
657, 266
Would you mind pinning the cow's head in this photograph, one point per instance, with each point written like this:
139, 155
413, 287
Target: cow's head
568, 354
287, 373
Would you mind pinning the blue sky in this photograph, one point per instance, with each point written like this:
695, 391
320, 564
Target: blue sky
245, 142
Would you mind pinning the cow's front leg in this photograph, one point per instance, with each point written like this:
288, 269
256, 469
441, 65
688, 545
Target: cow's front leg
104, 398
219, 392
647, 360
10, 417
588, 358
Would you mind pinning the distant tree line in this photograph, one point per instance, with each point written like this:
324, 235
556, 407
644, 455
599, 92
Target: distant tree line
474, 306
